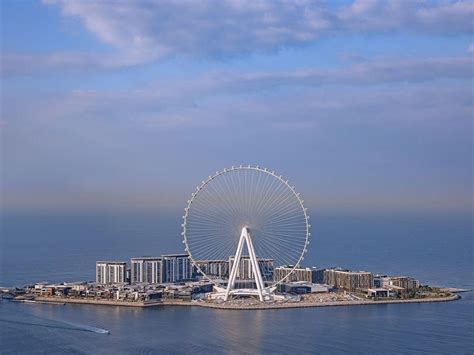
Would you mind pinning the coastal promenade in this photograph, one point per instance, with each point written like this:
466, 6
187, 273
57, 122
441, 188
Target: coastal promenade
242, 306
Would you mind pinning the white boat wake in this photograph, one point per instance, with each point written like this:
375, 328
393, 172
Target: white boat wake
67, 326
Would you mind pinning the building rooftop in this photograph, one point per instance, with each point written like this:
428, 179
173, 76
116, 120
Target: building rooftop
174, 255
351, 271
147, 258
300, 267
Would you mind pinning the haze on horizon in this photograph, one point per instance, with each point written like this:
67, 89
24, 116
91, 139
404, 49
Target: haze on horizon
364, 105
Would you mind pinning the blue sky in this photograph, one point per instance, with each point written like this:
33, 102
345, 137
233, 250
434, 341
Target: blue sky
363, 105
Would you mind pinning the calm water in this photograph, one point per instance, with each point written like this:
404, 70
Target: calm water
435, 249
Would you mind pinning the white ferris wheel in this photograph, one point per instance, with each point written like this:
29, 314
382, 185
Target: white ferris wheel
246, 212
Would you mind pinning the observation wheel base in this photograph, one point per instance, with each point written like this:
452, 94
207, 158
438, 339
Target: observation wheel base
221, 294
245, 239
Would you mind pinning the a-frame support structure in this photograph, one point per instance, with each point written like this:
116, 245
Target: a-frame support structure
245, 238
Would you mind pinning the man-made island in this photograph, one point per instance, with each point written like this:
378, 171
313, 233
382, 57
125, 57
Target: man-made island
170, 280
305, 301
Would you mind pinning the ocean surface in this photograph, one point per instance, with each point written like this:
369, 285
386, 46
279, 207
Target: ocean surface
436, 249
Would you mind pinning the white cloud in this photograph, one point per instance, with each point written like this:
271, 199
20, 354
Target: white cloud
146, 31
432, 17
158, 27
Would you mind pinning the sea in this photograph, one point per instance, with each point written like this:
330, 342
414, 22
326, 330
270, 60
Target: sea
435, 248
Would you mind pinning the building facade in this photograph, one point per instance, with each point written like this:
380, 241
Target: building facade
349, 280
407, 283
378, 292
146, 270
312, 275
176, 267
245, 271
379, 280
213, 268
111, 272
299, 287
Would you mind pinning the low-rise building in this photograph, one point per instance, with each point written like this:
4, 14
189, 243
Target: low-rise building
378, 292
302, 287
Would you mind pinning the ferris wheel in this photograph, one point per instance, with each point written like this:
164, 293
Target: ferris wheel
252, 207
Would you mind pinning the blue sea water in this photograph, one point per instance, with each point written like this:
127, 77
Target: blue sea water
437, 249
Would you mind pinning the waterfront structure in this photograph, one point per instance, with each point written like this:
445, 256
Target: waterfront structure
264, 209
308, 274
380, 280
245, 270
213, 268
164, 269
128, 275
302, 287
406, 283
176, 268
146, 269
111, 272
349, 280
378, 292
253, 269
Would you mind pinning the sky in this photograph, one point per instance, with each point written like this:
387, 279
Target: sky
365, 105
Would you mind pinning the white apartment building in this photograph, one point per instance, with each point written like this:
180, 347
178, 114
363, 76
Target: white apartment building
245, 271
146, 270
176, 267
111, 272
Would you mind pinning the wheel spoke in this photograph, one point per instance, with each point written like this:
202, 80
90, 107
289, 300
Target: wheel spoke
246, 197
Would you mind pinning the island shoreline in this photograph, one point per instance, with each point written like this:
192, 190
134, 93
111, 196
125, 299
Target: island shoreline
55, 300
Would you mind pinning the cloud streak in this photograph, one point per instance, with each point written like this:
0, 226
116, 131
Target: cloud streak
378, 71
185, 102
90, 142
